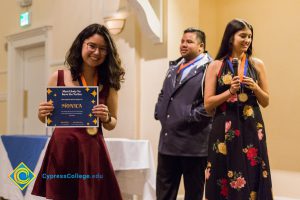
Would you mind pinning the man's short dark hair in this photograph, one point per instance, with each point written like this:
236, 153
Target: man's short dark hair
199, 34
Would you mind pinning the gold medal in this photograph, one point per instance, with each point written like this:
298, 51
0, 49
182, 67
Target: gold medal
227, 79
243, 97
92, 130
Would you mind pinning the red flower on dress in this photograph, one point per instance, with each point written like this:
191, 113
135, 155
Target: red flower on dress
238, 181
252, 155
230, 134
253, 162
233, 184
224, 191
224, 187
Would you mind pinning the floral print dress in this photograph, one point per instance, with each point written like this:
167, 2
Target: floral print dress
238, 165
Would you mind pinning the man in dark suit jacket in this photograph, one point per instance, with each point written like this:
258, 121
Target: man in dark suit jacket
183, 142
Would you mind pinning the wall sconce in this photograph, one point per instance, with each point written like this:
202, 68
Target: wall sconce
116, 22
115, 26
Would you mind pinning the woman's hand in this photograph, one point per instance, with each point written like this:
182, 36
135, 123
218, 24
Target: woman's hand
235, 85
250, 83
102, 112
45, 109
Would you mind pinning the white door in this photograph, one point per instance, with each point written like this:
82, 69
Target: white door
34, 89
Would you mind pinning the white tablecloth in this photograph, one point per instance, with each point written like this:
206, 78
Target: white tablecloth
132, 161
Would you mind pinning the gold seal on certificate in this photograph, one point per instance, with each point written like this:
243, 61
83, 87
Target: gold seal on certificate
243, 97
92, 130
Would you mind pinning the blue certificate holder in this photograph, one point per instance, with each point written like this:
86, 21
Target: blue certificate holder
72, 106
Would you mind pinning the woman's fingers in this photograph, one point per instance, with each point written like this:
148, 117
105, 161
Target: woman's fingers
101, 111
44, 113
235, 84
45, 108
249, 83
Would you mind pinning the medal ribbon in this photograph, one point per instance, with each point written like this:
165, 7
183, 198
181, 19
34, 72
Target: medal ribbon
242, 70
82, 81
186, 65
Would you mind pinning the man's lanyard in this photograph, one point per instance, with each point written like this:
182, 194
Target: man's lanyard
185, 66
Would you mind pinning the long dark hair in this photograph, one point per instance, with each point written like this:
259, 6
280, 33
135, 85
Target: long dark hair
110, 71
232, 27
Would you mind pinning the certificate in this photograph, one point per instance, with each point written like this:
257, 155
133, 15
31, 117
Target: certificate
72, 106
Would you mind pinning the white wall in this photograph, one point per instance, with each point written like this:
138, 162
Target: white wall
127, 126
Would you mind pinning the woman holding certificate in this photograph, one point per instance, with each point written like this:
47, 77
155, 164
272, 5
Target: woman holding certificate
238, 165
77, 157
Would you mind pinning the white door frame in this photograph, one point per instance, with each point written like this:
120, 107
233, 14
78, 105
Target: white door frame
16, 44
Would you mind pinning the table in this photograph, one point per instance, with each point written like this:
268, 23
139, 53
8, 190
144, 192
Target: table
132, 161
134, 166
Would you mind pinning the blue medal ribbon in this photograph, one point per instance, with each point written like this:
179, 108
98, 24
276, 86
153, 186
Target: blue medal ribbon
231, 66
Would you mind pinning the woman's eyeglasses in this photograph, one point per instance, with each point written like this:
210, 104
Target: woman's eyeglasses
93, 48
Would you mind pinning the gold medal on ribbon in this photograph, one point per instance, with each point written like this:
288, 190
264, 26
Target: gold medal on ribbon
92, 130
243, 97
227, 79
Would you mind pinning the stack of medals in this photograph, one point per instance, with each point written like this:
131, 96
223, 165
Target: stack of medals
82, 82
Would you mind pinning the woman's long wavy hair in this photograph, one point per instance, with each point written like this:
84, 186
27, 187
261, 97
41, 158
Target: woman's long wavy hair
110, 71
232, 27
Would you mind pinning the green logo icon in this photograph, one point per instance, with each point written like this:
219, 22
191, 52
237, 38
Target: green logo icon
22, 176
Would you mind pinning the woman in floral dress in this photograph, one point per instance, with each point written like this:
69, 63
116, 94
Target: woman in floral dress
238, 165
